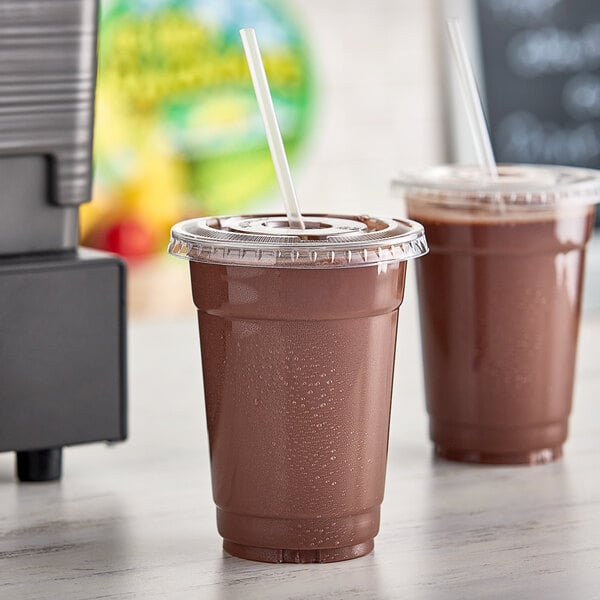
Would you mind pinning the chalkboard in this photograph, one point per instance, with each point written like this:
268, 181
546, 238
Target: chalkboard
541, 75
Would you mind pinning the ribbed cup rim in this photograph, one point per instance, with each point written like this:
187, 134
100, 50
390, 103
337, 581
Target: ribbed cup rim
330, 241
519, 187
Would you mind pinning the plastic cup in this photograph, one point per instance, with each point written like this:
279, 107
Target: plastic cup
297, 333
499, 298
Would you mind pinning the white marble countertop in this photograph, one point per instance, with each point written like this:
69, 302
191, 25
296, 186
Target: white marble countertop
137, 520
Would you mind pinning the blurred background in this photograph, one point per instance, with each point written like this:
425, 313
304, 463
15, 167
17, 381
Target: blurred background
361, 90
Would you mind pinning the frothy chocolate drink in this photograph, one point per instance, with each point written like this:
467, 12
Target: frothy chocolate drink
500, 303
500, 297
298, 372
298, 359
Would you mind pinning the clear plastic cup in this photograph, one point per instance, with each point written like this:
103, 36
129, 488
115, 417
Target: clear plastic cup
298, 333
500, 298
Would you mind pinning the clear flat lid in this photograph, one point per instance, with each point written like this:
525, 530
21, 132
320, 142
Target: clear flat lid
517, 186
328, 241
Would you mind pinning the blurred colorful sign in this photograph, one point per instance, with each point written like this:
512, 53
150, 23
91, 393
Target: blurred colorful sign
178, 132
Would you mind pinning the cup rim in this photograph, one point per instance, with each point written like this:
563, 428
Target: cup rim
388, 240
518, 186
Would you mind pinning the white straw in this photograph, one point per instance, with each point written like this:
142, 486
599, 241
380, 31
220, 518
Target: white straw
472, 99
265, 104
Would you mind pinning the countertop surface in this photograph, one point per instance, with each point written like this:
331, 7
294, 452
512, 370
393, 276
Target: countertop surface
136, 520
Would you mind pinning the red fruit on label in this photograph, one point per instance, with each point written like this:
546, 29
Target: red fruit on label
129, 238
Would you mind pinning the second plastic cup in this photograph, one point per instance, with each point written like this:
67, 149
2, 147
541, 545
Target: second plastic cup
500, 297
298, 334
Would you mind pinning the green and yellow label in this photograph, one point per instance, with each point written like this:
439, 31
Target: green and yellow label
178, 132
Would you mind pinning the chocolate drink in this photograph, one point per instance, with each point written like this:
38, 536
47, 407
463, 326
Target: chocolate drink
500, 297
298, 369
298, 333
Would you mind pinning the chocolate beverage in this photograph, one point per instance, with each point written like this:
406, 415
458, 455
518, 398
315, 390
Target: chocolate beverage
499, 303
298, 366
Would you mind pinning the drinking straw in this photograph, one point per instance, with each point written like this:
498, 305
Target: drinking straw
472, 99
267, 111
